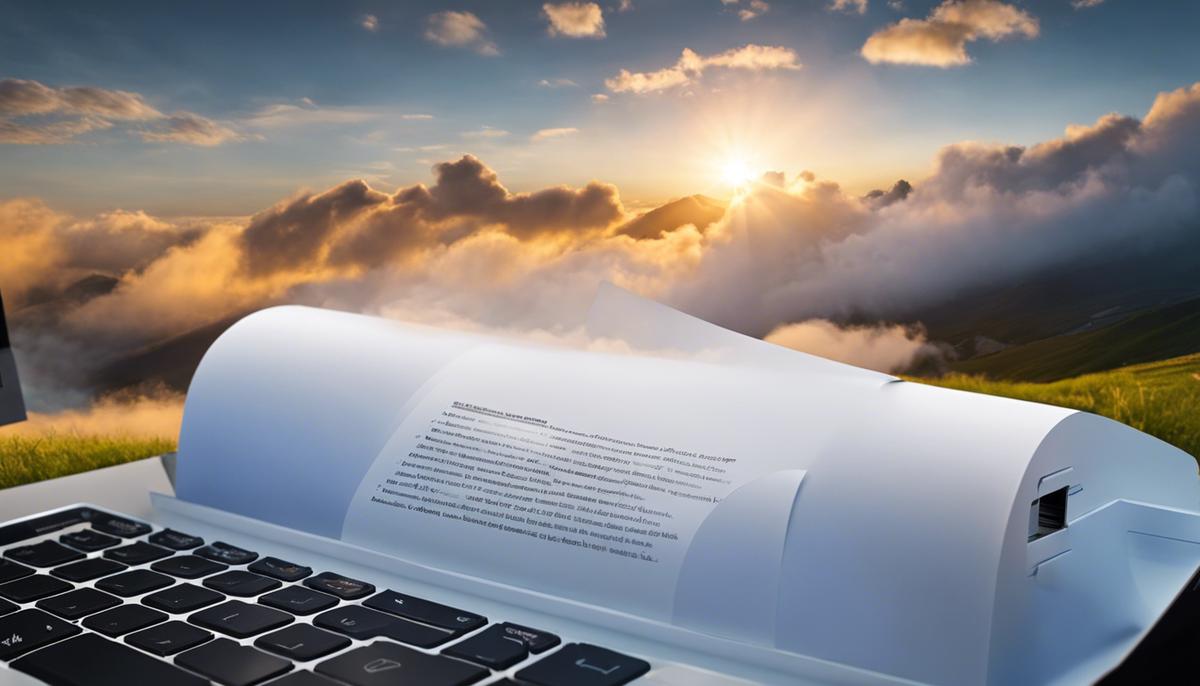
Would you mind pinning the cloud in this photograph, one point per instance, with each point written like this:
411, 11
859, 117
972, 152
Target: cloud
849, 6
460, 30
485, 132
191, 129
20, 98
691, 65
599, 97
1084, 4
305, 112
888, 348
50, 133
940, 40
749, 9
416, 117
546, 134
574, 19
557, 83
32, 113
624, 5
370, 22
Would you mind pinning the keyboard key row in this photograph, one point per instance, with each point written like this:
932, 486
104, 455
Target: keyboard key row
389, 614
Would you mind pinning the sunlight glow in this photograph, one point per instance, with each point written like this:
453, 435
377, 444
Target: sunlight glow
736, 172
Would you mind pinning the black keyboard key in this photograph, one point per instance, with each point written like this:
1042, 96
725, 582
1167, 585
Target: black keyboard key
88, 540
44, 554
10, 570
31, 588
228, 663
536, 640
383, 663
227, 554
188, 566
78, 603
169, 638
492, 648
303, 678
302, 642
175, 540
182, 598
137, 553
425, 611
358, 622
23, 631
6, 607
298, 600
241, 583
340, 586
123, 619
91, 660
240, 620
86, 570
280, 569
134, 582
119, 526
583, 664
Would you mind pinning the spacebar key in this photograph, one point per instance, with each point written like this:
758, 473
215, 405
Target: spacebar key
92, 660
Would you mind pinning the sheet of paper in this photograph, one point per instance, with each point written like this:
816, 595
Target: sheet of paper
575, 473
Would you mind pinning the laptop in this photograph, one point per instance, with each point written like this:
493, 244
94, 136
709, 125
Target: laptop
360, 502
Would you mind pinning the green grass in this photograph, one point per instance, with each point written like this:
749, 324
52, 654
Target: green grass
1160, 398
24, 459
1157, 334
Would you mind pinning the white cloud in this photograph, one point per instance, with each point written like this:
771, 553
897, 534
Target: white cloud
599, 97
305, 112
370, 22
691, 65
32, 113
748, 9
558, 83
849, 6
460, 30
940, 40
485, 132
546, 134
191, 129
1083, 4
416, 117
891, 348
574, 19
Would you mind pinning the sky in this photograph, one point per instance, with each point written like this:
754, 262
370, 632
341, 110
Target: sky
249, 102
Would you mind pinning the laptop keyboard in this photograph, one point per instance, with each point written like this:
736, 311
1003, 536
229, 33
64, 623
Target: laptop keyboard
116, 602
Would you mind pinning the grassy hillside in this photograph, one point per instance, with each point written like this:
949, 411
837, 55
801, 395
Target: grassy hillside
1161, 398
1157, 334
24, 459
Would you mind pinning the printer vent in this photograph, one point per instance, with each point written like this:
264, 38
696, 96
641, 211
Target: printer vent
1048, 514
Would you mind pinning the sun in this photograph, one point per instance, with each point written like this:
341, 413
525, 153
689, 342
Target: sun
736, 172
